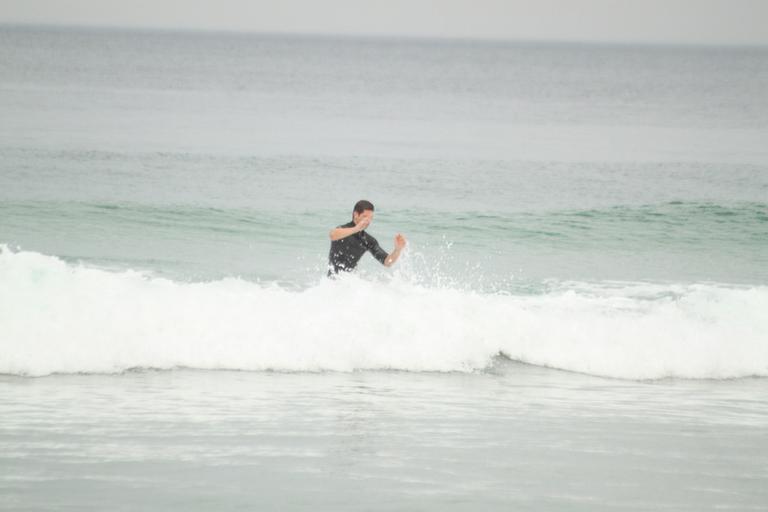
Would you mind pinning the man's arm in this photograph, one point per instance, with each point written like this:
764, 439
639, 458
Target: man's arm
339, 233
399, 246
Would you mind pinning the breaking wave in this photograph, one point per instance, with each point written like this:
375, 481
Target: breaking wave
57, 317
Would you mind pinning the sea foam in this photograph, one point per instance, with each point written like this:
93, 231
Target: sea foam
57, 317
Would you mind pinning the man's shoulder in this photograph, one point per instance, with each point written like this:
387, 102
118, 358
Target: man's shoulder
347, 225
369, 239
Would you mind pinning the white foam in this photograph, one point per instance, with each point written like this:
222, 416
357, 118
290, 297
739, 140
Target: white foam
56, 317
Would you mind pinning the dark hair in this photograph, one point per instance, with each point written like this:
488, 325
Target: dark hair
362, 205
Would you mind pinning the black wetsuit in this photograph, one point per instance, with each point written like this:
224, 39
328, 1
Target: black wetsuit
347, 251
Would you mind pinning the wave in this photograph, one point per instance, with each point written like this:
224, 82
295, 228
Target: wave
646, 221
57, 317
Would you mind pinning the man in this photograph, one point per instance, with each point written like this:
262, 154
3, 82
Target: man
350, 241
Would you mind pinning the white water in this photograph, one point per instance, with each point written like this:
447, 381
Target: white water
61, 318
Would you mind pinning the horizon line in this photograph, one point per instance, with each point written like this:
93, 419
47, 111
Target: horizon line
372, 36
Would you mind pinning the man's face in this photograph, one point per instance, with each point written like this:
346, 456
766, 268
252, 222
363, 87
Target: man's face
365, 215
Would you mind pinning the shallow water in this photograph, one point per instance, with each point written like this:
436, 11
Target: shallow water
517, 437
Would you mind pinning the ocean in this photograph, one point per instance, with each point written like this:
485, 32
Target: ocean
579, 320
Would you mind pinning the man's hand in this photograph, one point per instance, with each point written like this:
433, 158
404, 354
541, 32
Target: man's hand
399, 246
362, 223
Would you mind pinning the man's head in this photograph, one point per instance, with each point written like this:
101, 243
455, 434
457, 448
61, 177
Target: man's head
363, 210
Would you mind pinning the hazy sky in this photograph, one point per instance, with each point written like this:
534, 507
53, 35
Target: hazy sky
652, 21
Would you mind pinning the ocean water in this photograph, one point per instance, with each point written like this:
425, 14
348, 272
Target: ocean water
579, 321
